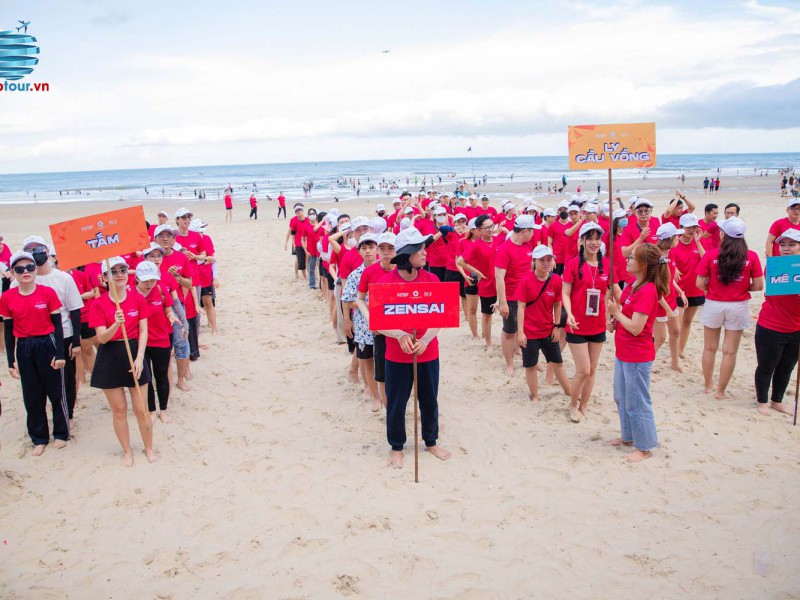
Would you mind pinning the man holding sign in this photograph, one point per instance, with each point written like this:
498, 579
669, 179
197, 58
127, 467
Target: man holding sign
403, 346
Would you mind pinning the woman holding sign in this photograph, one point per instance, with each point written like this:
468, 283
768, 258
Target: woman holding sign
401, 346
778, 337
112, 369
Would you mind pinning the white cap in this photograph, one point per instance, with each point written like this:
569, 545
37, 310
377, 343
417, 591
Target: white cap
152, 247
525, 222
405, 223
789, 234
357, 222
113, 262
471, 224
378, 225
368, 237
618, 214
459, 217
397, 201
346, 226
632, 200
590, 208
563, 204
507, 206
439, 210
667, 231
408, 210
197, 225
177, 247
541, 251
549, 212
733, 227
380, 207
17, 256
587, 227
182, 212
643, 202
574, 208
162, 228
162, 213
299, 206
33, 240
688, 220
604, 207
387, 238
410, 237
792, 202
147, 271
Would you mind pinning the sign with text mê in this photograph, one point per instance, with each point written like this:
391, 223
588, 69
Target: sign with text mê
619, 146
783, 275
97, 237
413, 305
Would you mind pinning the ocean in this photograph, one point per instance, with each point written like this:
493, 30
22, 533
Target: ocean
185, 182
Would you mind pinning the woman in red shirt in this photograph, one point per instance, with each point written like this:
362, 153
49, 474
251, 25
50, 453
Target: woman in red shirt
685, 256
632, 321
778, 337
667, 312
470, 280
112, 371
727, 275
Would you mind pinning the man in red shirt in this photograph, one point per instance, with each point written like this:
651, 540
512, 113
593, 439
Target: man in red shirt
512, 261
163, 219
790, 221
253, 207
640, 230
401, 346
709, 227
485, 209
297, 229
281, 205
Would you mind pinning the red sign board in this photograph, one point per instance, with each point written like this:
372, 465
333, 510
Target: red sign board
413, 305
97, 237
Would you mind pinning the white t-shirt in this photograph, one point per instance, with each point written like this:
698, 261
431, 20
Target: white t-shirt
66, 290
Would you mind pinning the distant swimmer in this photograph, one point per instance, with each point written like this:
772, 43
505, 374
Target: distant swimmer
386, 51
23, 25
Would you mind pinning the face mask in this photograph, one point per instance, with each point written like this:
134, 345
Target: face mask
312, 217
441, 219
40, 258
381, 213
623, 222
563, 214
351, 242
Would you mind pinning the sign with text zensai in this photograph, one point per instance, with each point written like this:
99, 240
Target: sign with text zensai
413, 305
783, 275
97, 237
620, 146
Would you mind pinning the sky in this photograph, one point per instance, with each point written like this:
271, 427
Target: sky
155, 84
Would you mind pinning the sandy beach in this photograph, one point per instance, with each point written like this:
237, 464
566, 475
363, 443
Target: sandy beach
272, 480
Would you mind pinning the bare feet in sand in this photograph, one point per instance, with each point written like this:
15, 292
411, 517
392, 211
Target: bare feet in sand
574, 414
616, 442
439, 452
550, 381
721, 395
708, 390
676, 366
637, 456
763, 408
39, 450
183, 386
376, 404
203, 346
59, 444
353, 376
165, 418
127, 459
151, 455
396, 459
509, 371
534, 399
781, 408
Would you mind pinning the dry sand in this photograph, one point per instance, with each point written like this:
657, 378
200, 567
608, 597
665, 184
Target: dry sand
272, 480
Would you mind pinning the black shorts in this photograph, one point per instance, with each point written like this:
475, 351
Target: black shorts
301, 258
550, 349
367, 353
486, 305
438, 271
209, 291
510, 323
470, 290
87, 332
228, 208
455, 276
574, 338
380, 358
112, 367
559, 270
694, 300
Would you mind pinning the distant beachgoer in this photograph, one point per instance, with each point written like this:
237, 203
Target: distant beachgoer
282, 205
706, 183
228, 207
253, 207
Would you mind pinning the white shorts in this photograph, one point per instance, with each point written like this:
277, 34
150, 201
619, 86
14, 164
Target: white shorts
730, 315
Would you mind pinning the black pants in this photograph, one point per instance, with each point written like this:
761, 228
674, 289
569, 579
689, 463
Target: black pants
159, 367
254, 213
194, 331
439, 272
776, 354
39, 382
70, 382
380, 358
282, 208
399, 385
300, 253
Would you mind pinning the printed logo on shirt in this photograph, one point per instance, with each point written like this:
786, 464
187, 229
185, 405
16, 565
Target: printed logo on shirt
41, 305
132, 313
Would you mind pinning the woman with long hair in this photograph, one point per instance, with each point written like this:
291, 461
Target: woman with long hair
686, 255
667, 314
727, 275
470, 280
632, 318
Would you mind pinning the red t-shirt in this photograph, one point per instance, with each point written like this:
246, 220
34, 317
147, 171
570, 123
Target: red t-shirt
372, 274
592, 278
672, 298
571, 243
228, 201
299, 228
253, 202
453, 243
184, 270
349, 261
134, 306
94, 272
437, 251
711, 242
82, 282
158, 326
686, 257
620, 264
781, 313
5, 253
481, 256
194, 243
311, 238
282, 201
559, 243
31, 313
205, 269
637, 348
393, 350
516, 260
489, 210
539, 315
776, 229
737, 290
632, 232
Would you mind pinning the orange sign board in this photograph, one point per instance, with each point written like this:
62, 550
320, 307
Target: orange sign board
97, 237
620, 146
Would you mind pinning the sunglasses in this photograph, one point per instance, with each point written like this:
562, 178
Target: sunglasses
26, 269
120, 271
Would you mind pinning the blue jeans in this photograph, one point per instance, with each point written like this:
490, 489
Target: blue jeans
179, 343
632, 395
312, 271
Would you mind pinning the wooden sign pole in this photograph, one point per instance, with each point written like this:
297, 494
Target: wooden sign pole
416, 416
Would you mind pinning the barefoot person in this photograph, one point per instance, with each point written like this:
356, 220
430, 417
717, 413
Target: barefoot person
478, 259
400, 349
539, 310
727, 275
667, 314
34, 342
686, 256
470, 280
632, 320
778, 338
112, 370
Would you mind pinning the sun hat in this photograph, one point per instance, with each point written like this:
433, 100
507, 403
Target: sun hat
151, 248
733, 227
410, 241
357, 222
387, 238
182, 212
459, 217
378, 225
113, 262
789, 234
525, 222
541, 251
688, 220
197, 225
590, 208
34, 240
618, 214
147, 271
667, 231
549, 212
643, 202
587, 227
367, 237
380, 207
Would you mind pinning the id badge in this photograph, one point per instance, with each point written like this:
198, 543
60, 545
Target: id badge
592, 303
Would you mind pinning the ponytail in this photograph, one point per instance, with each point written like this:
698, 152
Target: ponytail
656, 267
